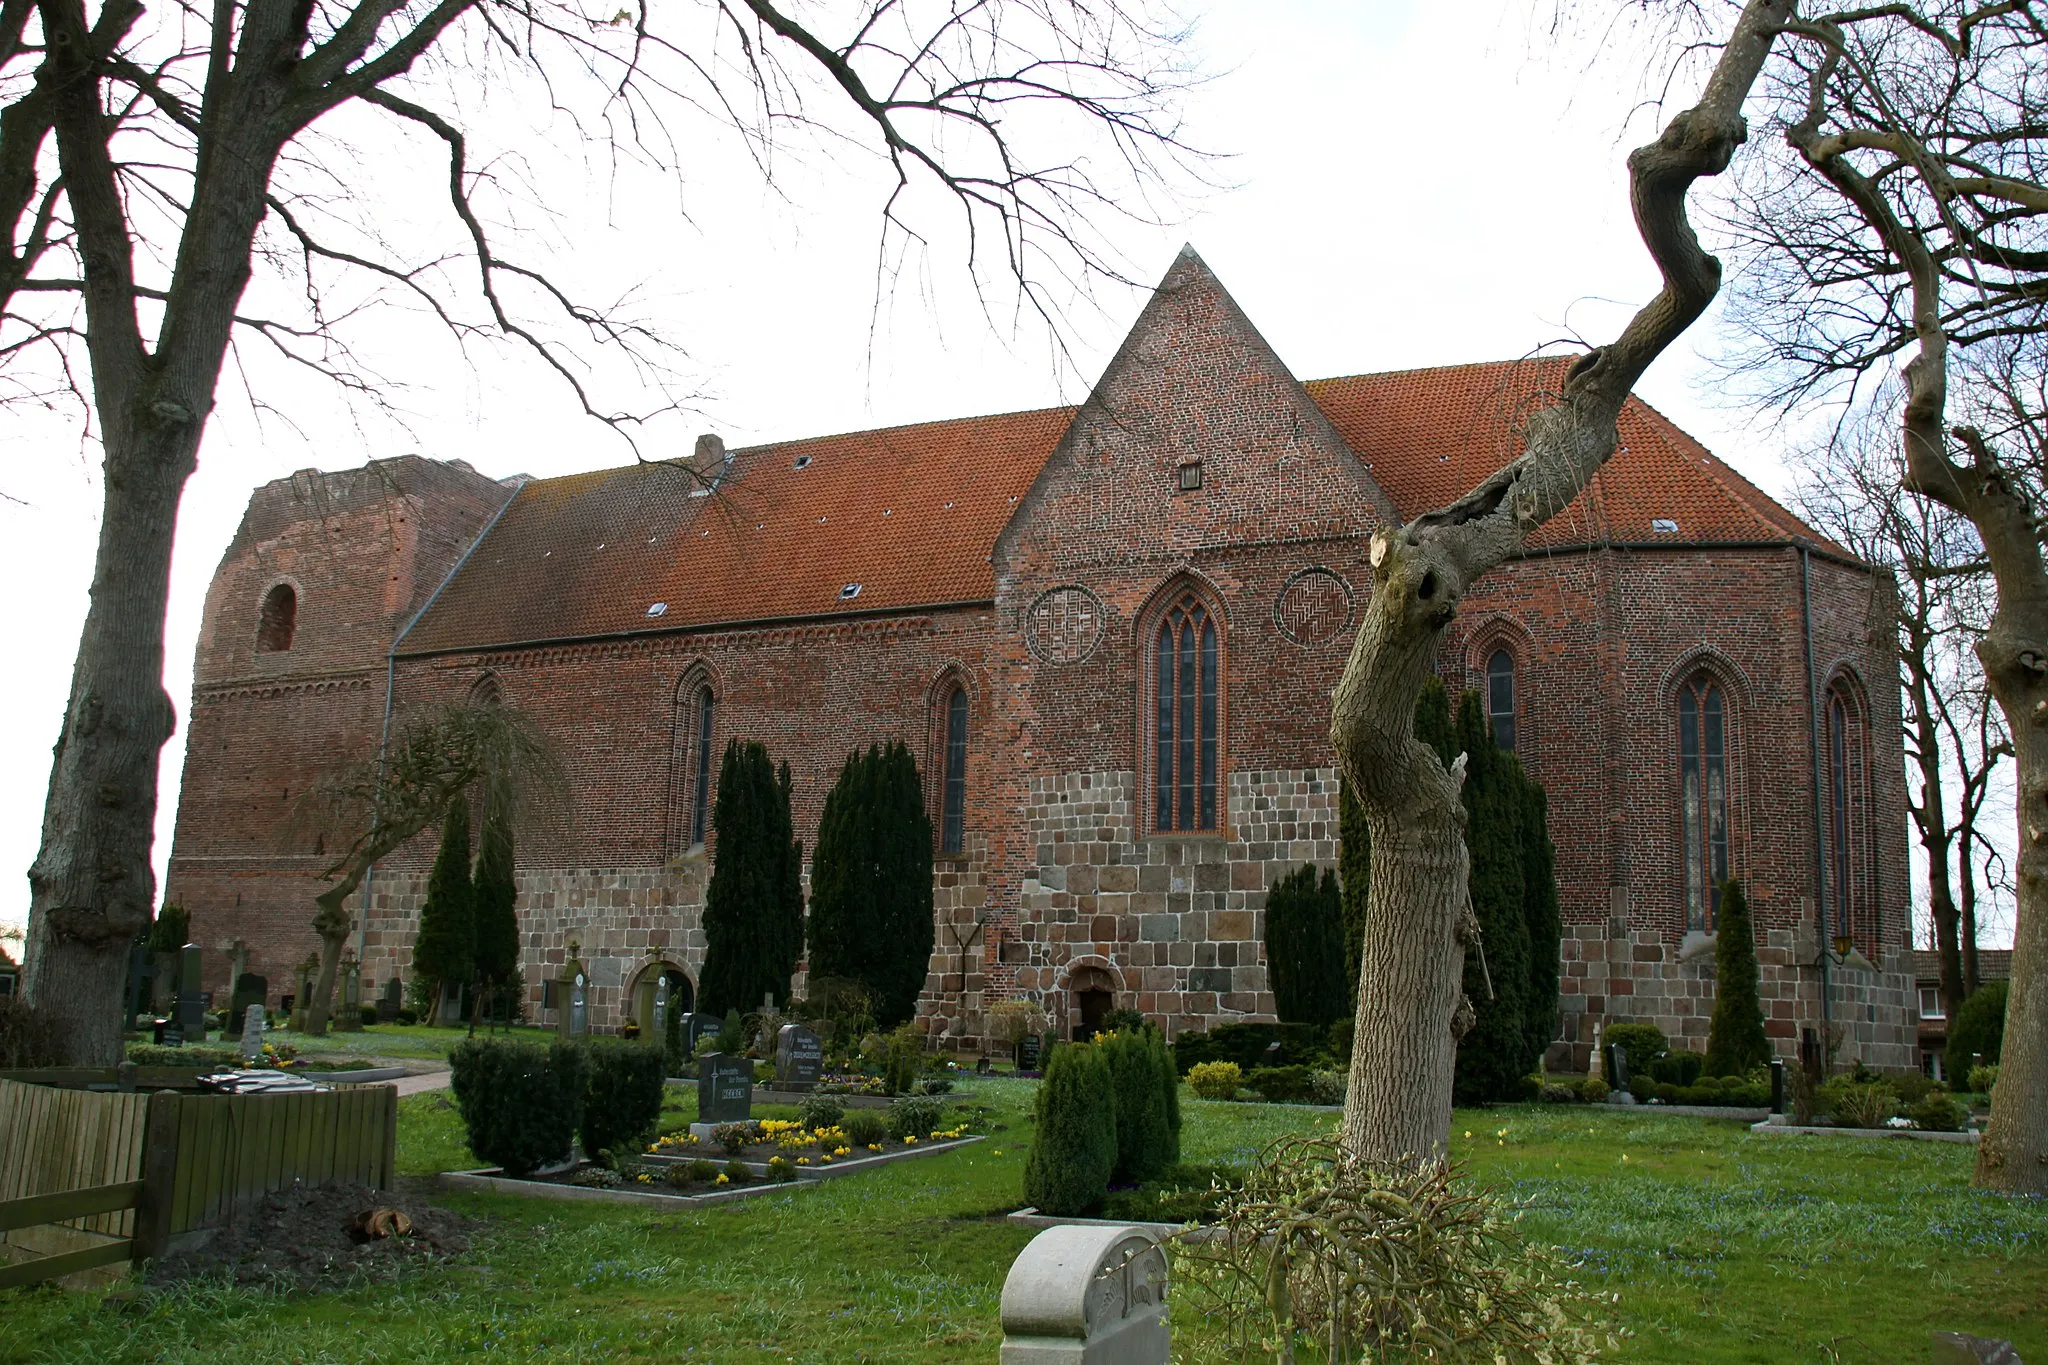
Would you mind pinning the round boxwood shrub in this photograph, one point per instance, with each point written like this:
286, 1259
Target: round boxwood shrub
1143, 1143
1644, 1043
1215, 1080
1073, 1150
820, 1111
1979, 1028
623, 1103
520, 1102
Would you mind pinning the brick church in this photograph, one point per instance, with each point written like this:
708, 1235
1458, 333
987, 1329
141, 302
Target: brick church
1110, 634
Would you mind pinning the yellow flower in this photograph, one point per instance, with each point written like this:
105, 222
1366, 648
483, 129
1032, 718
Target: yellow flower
874, 1146
723, 1179
803, 1161
999, 1152
1468, 1132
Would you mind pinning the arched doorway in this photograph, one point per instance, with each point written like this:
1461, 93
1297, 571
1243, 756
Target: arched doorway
640, 998
1094, 992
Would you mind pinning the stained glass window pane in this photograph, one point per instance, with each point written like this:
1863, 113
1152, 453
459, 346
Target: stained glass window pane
1500, 697
1689, 790
953, 825
1184, 760
700, 810
1717, 800
1163, 740
1208, 725
1838, 782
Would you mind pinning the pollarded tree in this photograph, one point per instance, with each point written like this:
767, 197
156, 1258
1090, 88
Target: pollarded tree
496, 892
1735, 1038
1905, 216
1354, 869
444, 948
871, 882
154, 165
753, 923
1305, 948
379, 805
1411, 1005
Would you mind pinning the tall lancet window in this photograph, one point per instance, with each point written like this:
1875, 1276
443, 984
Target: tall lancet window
1703, 794
1185, 706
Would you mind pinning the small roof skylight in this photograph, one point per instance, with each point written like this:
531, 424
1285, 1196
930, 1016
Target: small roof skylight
849, 592
657, 608
803, 462
1663, 525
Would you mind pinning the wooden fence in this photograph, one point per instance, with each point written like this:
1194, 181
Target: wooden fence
194, 1162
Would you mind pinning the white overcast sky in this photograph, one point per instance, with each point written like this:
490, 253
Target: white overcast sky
1409, 184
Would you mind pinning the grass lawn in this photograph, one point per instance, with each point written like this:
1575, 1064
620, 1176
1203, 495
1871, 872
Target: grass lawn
1723, 1247
417, 1041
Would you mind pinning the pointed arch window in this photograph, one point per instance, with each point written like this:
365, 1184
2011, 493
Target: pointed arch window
953, 807
690, 774
278, 623
1703, 793
1186, 702
706, 705
1847, 870
1500, 698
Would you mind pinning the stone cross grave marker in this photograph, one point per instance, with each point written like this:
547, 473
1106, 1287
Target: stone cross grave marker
658, 1024
799, 1057
191, 1000
725, 1089
1087, 1296
252, 1033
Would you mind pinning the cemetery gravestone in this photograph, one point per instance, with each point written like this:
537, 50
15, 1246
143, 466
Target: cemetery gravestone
1027, 1052
351, 1020
698, 1027
1091, 1295
799, 1058
252, 1034
1617, 1069
658, 1017
191, 1021
578, 1014
725, 1090
391, 1001
250, 989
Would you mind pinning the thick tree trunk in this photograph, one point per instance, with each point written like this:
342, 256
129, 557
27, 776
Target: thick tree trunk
91, 886
1411, 1006
332, 923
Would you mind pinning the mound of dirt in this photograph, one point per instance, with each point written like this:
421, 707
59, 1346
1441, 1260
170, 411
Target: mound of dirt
311, 1239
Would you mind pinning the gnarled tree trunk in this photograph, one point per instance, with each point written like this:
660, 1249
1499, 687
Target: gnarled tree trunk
1411, 1007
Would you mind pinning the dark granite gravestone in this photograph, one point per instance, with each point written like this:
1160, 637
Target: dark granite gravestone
1617, 1068
799, 1058
250, 989
1028, 1048
725, 1089
135, 1000
1777, 1086
191, 1015
697, 1027
391, 1001
576, 1020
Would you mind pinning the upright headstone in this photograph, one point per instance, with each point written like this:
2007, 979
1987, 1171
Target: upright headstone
390, 1001
250, 989
799, 1058
1777, 1086
1028, 1048
572, 994
725, 1089
657, 1026
698, 1027
1617, 1068
1594, 1068
1093, 1295
191, 999
302, 999
351, 1020
1960, 1348
252, 1034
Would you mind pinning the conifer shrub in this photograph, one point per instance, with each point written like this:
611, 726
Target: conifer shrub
1144, 1145
1938, 1112
753, 904
1735, 1038
443, 951
871, 882
1499, 973
1305, 948
1282, 1084
1124, 1020
167, 934
494, 896
674, 1058
863, 1127
1976, 1036
623, 1102
1073, 1150
521, 1102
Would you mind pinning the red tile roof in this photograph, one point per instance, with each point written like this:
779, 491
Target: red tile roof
911, 514
1993, 964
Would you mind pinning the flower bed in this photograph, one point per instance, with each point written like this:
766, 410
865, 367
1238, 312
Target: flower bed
759, 1144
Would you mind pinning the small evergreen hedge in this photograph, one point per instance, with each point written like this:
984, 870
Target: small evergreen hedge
1283, 1084
1246, 1044
622, 1103
520, 1102
1979, 1027
1073, 1150
1644, 1043
1144, 1143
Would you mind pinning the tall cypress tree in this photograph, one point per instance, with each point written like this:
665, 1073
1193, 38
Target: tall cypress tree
753, 907
495, 895
442, 951
1305, 948
1735, 1037
1494, 1056
1546, 924
871, 882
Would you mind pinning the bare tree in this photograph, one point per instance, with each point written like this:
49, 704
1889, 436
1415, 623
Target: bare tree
1850, 491
1906, 219
379, 805
1418, 922
151, 166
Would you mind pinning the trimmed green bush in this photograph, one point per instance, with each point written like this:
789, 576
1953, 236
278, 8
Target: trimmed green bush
863, 1127
1305, 948
623, 1103
1982, 1078
1179, 1194
1215, 1080
1859, 1104
1247, 1045
1644, 1043
1283, 1084
1938, 1112
1978, 1028
1123, 1021
1495, 1055
914, 1115
1169, 1087
521, 1103
1677, 1068
819, 1111
753, 905
1073, 1150
1735, 1038
1144, 1145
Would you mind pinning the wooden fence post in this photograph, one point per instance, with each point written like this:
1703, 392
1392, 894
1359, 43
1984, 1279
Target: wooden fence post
159, 1177
390, 1144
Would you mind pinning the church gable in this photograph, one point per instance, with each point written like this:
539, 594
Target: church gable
1195, 438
